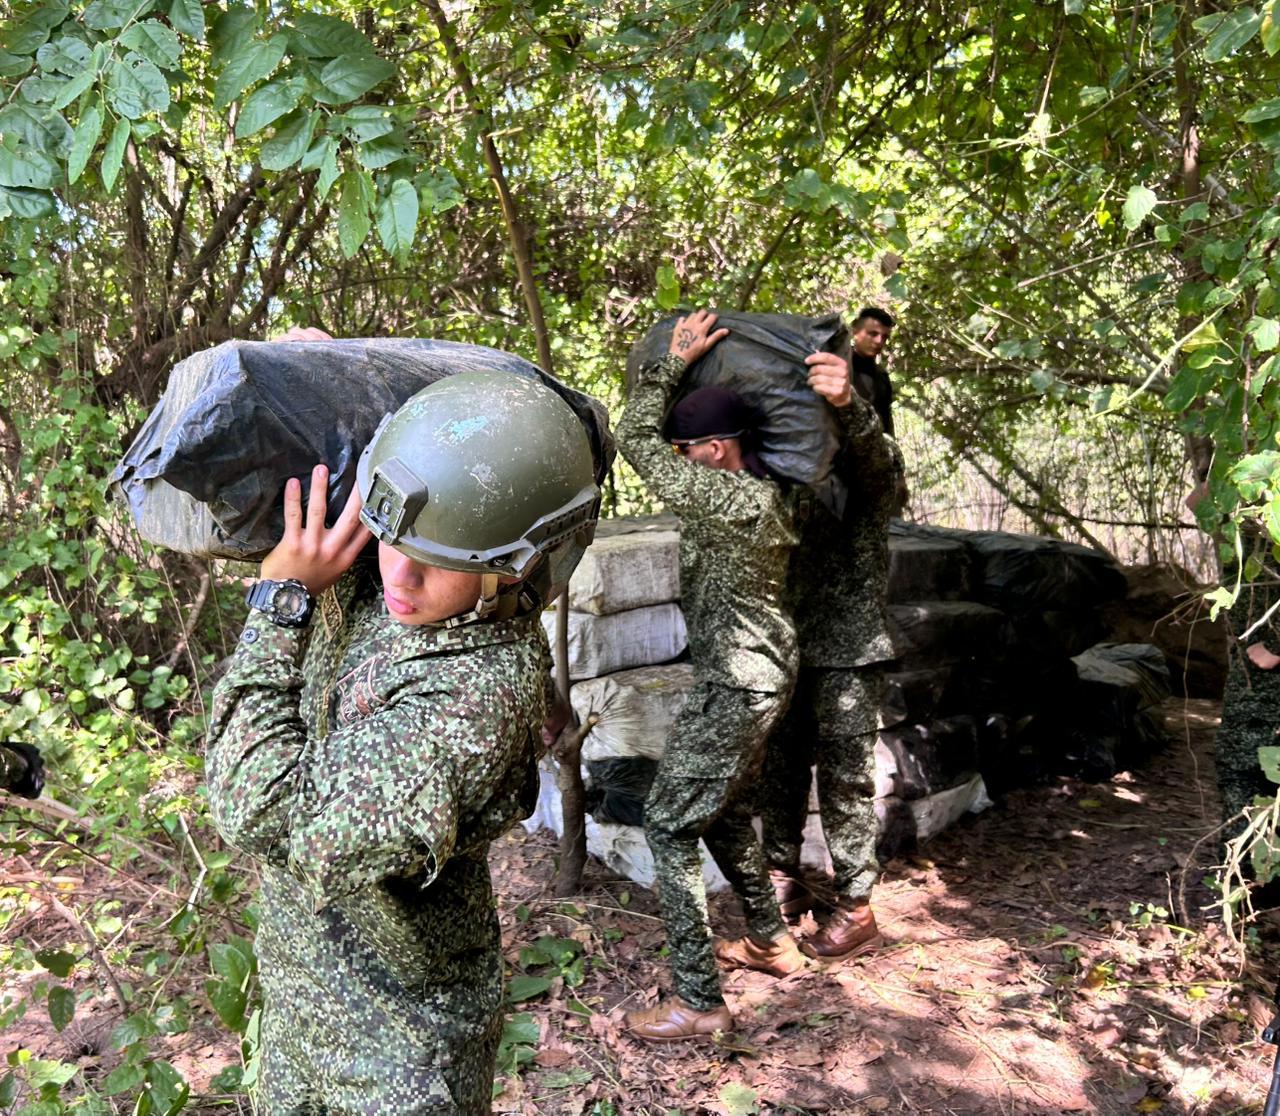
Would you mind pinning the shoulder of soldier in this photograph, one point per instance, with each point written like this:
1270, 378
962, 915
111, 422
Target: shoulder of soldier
740, 497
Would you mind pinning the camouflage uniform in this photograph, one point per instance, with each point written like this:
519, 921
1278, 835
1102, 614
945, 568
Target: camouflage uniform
836, 586
735, 535
368, 769
1251, 698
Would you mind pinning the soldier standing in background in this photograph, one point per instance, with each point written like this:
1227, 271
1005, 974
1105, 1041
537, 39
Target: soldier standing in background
368, 762
1251, 697
735, 537
836, 588
21, 769
871, 330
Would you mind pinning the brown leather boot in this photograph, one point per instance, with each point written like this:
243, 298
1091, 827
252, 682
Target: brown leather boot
850, 930
780, 957
792, 893
672, 1020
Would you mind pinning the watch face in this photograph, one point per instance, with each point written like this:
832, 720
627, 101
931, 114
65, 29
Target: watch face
289, 600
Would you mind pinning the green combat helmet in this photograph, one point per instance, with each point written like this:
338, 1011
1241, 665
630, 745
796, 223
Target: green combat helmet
485, 472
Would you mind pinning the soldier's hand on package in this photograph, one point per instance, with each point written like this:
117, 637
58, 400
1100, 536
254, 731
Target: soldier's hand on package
829, 377
1261, 656
693, 335
304, 333
310, 552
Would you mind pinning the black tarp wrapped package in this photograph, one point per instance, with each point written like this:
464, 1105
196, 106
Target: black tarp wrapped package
206, 473
1026, 573
762, 359
617, 788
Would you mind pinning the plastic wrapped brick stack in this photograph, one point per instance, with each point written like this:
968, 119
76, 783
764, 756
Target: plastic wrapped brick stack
1001, 672
1000, 678
625, 630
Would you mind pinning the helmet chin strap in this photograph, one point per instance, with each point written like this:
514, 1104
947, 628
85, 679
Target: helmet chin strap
485, 606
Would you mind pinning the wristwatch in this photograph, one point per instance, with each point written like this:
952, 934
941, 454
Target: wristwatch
288, 604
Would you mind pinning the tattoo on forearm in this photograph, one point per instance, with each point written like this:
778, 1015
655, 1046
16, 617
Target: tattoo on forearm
684, 338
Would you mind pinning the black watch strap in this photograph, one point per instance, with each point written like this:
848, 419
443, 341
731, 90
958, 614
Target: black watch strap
287, 604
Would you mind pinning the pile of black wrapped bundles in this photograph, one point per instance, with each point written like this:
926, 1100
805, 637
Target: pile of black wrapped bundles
1004, 677
1004, 669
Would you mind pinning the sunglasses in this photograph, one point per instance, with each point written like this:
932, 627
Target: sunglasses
682, 447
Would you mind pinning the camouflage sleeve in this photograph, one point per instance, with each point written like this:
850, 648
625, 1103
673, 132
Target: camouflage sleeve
683, 486
396, 816
874, 455
256, 742
387, 800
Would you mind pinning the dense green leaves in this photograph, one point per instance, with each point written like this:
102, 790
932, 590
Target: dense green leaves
62, 1007
28, 167
113, 156
154, 41
345, 78
398, 218
87, 132
290, 142
354, 220
324, 36
250, 63
57, 961
187, 17
1139, 202
268, 103
1228, 32
136, 87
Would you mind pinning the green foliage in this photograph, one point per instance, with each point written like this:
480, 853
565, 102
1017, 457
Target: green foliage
542, 963
174, 174
88, 617
516, 1048
121, 72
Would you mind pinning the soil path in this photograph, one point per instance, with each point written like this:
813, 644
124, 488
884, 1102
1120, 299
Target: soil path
1038, 960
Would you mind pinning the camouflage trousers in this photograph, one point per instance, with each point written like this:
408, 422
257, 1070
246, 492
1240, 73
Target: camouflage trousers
714, 751
832, 722
343, 1034
1250, 720
305, 1073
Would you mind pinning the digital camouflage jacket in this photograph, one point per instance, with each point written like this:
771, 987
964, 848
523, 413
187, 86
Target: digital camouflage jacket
369, 775
736, 534
839, 573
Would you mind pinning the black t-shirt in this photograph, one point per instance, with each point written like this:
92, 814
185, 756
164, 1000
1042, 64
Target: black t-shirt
872, 383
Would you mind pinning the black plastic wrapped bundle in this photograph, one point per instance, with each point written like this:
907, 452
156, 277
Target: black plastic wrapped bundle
763, 360
205, 474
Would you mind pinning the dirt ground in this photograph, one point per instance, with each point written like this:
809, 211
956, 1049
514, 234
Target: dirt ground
1038, 959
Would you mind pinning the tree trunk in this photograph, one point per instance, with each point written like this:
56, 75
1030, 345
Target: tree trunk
573, 839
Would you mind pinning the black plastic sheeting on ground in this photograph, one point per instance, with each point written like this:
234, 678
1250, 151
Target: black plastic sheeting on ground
206, 473
937, 632
1116, 712
763, 360
928, 758
617, 787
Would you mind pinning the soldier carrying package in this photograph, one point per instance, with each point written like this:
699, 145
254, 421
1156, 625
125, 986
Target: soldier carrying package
378, 726
736, 537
